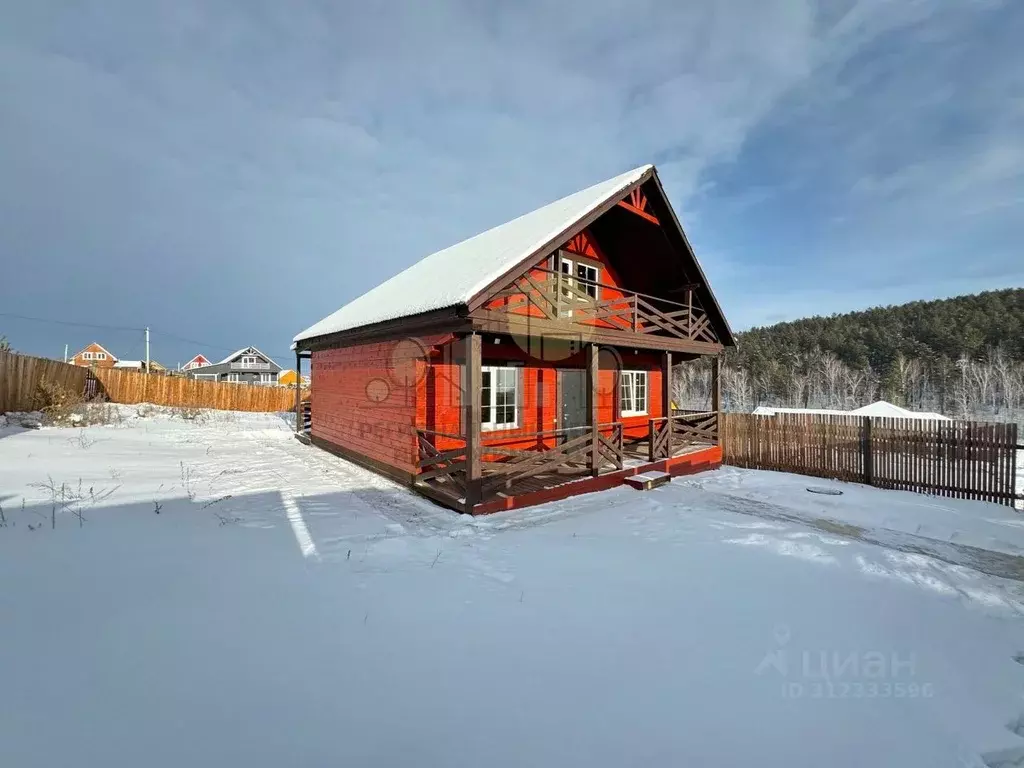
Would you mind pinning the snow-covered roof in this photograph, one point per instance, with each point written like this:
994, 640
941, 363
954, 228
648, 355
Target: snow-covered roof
243, 351
880, 409
128, 364
771, 410
455, 275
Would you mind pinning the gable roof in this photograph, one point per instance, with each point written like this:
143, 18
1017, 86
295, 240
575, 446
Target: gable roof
455, 275
197, 358
244, 351
93, 344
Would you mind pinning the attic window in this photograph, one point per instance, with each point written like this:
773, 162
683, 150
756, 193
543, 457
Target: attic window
588, 275
582, 276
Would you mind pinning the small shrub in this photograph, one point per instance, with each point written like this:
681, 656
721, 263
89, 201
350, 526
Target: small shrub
146, 410
57, 403
100, 412
188, 413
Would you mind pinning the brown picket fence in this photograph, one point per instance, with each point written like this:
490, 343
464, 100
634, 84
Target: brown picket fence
123, 386
20, 376
958, 459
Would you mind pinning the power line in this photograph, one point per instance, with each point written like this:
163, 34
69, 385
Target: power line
99, 326
207, 345
76, 325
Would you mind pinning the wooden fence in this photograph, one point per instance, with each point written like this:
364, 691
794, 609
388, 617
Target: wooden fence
123, 386
20, 376
959, 459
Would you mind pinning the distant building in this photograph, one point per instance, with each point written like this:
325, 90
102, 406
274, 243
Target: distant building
93, 356
140, 365
246, 366
880, 409
287, 378
199, 361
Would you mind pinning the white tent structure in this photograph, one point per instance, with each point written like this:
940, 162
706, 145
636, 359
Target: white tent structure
879, 409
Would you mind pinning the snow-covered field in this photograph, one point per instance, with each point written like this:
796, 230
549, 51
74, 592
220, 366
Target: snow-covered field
218, 594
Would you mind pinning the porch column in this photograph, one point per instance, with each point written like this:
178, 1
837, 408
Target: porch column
666, 400
592, 374
716, 394
471, 421
298, 391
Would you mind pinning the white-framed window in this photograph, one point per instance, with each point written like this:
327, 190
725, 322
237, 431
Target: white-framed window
588, 273
581, 275
235, 378
633, 393
101, 355
499, 398
268, 378
249, 360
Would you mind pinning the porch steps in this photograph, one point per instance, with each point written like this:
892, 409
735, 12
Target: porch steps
647, 481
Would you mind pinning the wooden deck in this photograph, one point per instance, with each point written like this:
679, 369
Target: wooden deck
563, 482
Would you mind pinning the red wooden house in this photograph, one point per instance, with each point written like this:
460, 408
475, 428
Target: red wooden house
530, 362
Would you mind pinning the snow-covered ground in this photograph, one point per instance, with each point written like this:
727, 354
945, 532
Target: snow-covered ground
232, 597
970, 523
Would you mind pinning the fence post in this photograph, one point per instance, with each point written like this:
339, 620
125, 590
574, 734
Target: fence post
866, 452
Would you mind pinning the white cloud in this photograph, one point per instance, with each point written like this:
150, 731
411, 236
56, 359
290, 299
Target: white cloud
231, 141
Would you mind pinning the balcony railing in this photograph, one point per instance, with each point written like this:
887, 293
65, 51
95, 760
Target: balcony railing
250, 366
549, 295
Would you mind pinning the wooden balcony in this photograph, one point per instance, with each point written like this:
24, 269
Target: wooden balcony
559, 304
556, 459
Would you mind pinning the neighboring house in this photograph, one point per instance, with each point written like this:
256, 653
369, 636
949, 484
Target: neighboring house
287, 378
140, 365
246, 366
93, 356
196, 362
530, 362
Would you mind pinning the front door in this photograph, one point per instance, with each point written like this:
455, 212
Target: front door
572, 383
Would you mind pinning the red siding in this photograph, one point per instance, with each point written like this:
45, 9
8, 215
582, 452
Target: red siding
440, 402
583, 244
364, 399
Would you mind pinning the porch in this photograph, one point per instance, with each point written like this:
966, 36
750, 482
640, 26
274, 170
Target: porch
561, 463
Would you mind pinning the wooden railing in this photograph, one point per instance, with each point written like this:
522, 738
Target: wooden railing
552, 295
668, 433
593, 451
448, 467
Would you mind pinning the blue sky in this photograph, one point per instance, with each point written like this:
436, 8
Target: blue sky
230, 172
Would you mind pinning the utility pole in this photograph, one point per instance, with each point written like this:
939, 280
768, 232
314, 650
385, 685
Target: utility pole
65, 353
147, 349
